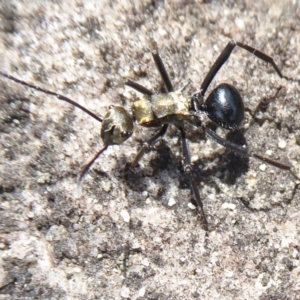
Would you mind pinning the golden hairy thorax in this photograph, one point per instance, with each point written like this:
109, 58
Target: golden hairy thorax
161, 109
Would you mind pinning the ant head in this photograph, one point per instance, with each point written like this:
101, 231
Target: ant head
117, 126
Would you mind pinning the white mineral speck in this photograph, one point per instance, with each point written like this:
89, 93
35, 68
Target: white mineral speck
281, 144
171, 202
125, 292
125, 215
229, 206
269, 152
263, 167
142, 291
229, 274
145, 262
191, 206
77, 270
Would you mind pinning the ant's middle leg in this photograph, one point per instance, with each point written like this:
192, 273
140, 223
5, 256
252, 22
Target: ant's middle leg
136, 86
162, 70
187, 166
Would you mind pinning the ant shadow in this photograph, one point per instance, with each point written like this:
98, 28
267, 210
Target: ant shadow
227, 167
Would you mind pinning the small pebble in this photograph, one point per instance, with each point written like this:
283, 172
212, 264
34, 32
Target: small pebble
263, 167
125, 292
171, 202
191, 206
269, 152
142, 291
281, 144
125, 215
145, 262
229, 206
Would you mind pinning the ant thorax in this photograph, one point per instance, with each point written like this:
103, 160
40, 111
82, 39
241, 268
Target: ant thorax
162, 108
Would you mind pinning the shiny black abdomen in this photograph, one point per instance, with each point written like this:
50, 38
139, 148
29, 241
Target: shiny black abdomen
225, 106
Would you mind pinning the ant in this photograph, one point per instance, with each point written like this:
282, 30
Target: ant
224, 106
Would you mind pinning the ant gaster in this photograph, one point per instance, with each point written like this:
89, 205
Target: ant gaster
224, 106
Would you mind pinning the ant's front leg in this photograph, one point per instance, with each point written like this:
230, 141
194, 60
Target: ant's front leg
146, 145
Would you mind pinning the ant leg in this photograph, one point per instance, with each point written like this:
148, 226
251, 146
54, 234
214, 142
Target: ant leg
187, 165
58, 96
223, 58
138, 87
261, 55
274, 163
242, 151
263, 104
153, 140
87, 167
162, 70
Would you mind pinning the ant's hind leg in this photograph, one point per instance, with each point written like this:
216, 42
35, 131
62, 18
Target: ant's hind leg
223, 57
243, 151
274, 163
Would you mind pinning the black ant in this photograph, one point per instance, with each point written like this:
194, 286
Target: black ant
224, 106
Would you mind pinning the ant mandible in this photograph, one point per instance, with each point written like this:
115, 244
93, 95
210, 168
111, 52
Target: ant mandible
224, 106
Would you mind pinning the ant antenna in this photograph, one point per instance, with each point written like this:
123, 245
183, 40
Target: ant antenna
70, 101
58, 96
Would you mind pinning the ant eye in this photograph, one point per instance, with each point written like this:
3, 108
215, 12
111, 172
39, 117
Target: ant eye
124, 133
